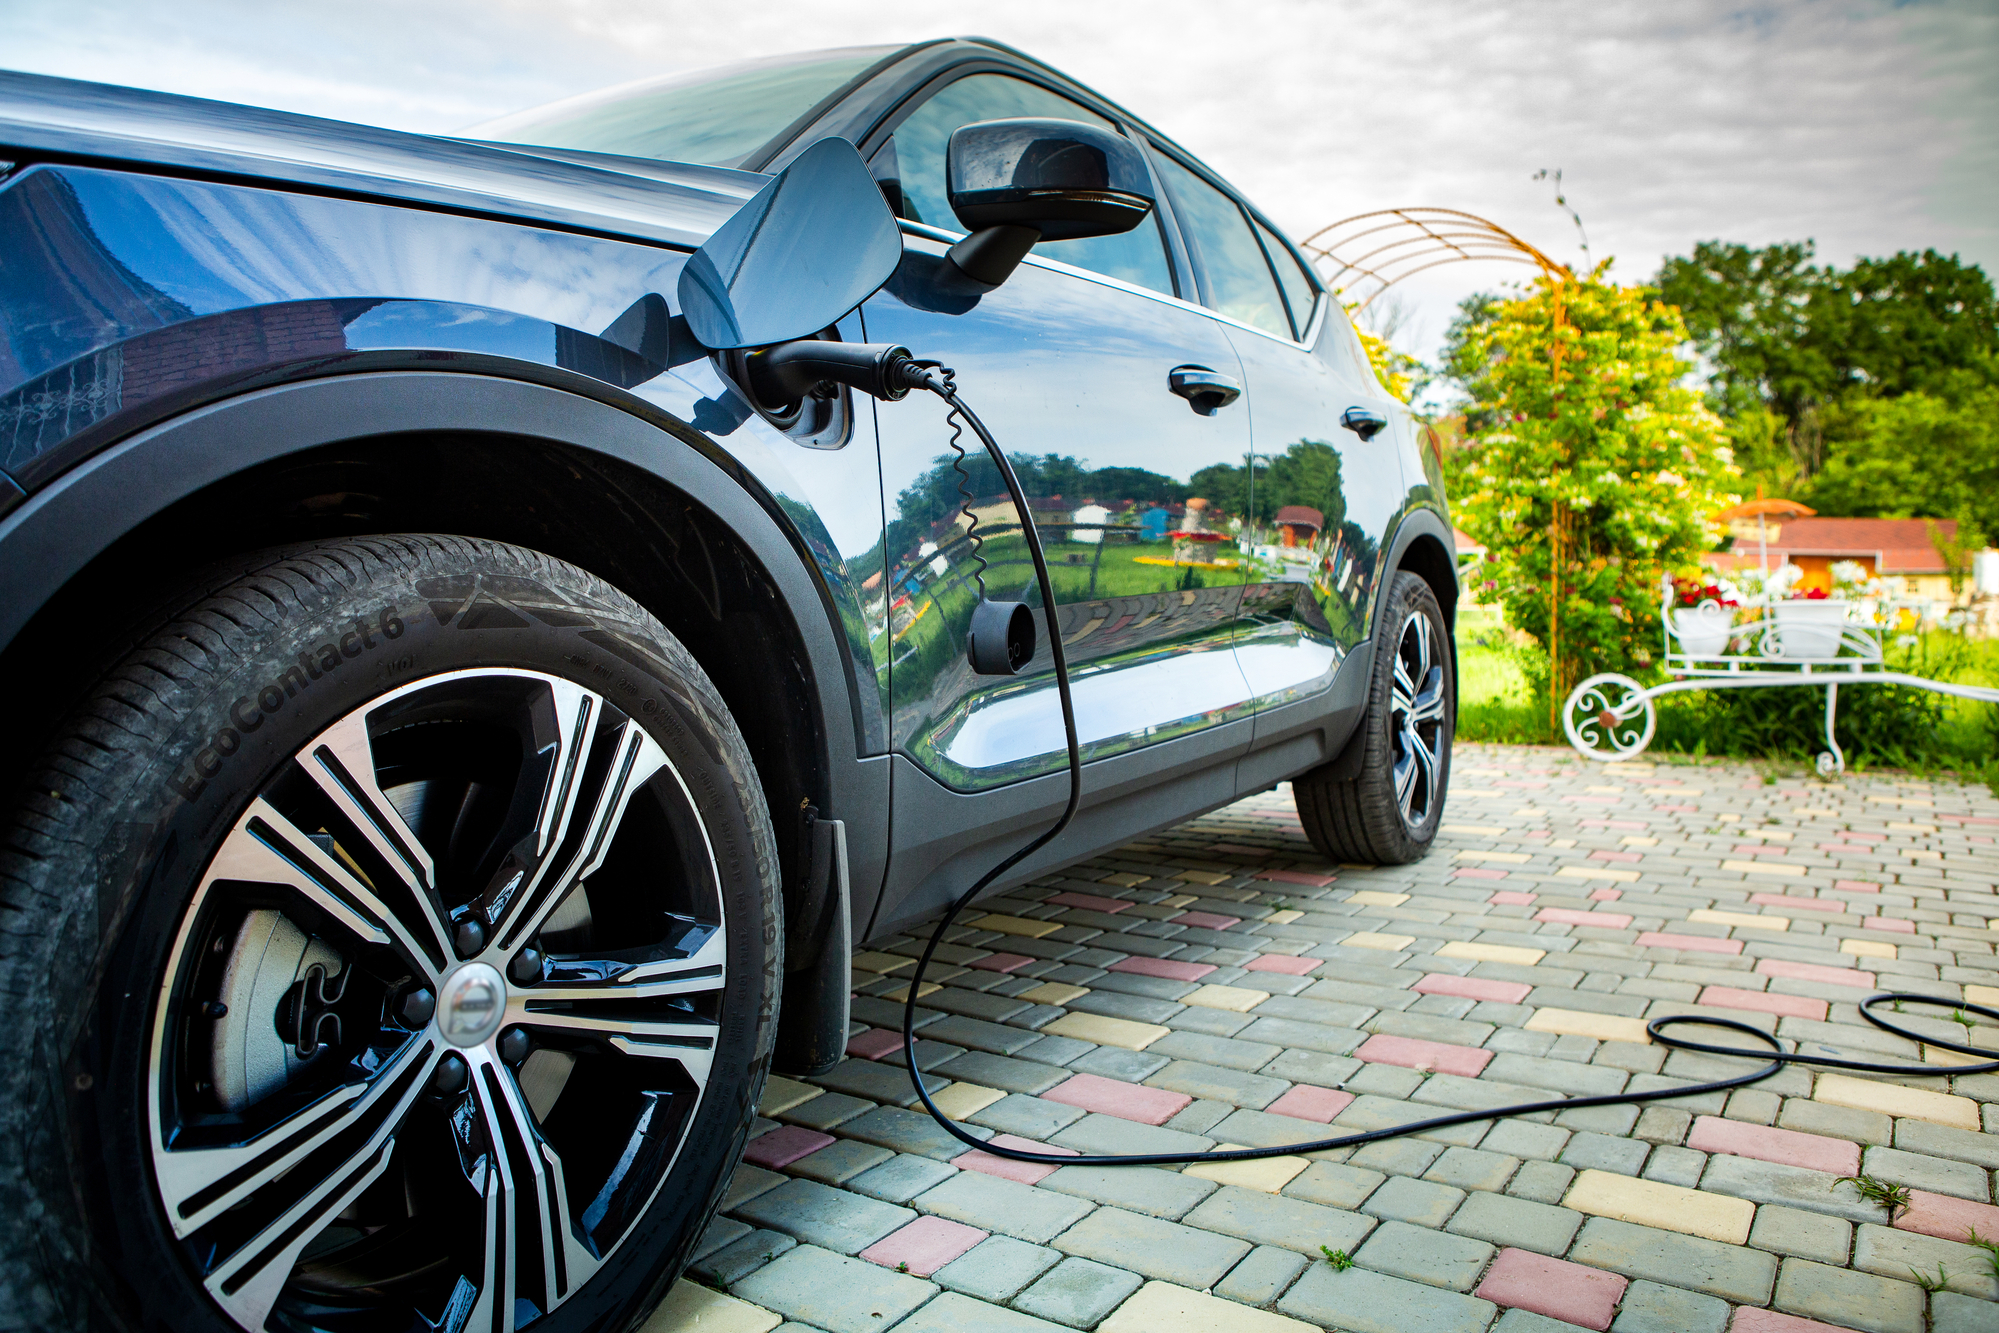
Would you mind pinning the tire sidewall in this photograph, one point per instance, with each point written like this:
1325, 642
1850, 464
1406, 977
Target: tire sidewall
1412, 597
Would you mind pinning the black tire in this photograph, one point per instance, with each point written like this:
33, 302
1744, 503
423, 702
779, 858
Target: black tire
130, 912
1356, 812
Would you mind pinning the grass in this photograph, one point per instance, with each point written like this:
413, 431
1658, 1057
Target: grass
1339, 1259
1991, 1248
1895, 1198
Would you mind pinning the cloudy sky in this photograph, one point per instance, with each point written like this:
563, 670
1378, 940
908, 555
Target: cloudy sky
1867, 126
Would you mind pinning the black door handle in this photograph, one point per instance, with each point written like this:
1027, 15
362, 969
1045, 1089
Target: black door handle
1206, 391
1363, 421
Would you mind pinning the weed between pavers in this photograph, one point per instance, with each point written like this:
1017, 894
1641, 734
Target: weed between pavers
1895, 1198
1339, 1259
1991, 1248
1932, 1285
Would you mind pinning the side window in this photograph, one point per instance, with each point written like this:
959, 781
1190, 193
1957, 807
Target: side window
1300, 291
1233, 268
920, 143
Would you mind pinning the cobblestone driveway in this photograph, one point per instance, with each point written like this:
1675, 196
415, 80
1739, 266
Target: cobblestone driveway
1219, 984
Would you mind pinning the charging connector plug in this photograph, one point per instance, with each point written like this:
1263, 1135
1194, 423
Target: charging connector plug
787, 372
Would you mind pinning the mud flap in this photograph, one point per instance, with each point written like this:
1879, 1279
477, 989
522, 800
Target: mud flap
818, 949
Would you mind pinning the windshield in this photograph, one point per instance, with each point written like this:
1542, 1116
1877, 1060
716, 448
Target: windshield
716, 117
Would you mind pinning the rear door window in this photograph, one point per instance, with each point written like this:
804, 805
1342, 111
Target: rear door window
1234, 272
1300, 290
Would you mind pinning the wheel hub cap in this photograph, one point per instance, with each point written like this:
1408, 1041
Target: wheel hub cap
472, 1004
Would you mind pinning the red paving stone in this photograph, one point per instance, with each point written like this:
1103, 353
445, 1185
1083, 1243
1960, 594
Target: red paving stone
1948, 1217
1814, 1152
1296, 877
1830, 976
1477, 872
1786, 900
1207, 920
1309, 1103
1414, 1053
1856, 886
1574, 1293
1472, 988
1569, 916
1657, 939
1508, 898
1605, 854
1288, 964
1893, 923
925, 1245
1606, 895
1026, 1173
1139, 965
874, 1044
1749, 1319
1126, 1101
1763, 1002
1091, 901
1001, 962
784, 1145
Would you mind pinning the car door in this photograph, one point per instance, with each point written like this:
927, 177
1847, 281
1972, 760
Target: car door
1324, 499
1069, 362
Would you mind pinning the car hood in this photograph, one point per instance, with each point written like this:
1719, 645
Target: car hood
51, 119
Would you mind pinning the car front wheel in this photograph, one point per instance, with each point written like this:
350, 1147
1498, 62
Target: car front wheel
392, 943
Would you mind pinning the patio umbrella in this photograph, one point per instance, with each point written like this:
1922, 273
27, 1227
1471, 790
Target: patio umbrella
1763, 511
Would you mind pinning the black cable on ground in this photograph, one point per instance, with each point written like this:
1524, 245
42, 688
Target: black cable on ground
939, 381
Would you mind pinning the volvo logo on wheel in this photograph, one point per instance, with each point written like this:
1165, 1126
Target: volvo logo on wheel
471, 1003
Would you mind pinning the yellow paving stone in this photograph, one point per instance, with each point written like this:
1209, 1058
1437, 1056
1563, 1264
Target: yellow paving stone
1269, 1174
1860, 1094
1241, 999
1912, 828
959, 1100
1179, 900
1654, 1203
1124, 879
1201, 877
1368, 939
1740, 920
1635, 840
1982, 994
1284, 917
1510, 858
1936, 1055
1867, 948
1909, 802
867, 960
1577, 1023
695, 1309
1561, 842
781, 1094
1728, 819
1053, 992
1161, 1307
1107, 1031
1015, 925
1767, 834
1530, 811
1492, 830
1777, 869
1596, 872
1492, 953
901, 993
1378, 898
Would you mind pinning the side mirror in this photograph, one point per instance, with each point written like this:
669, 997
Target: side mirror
803, 252
1015, 182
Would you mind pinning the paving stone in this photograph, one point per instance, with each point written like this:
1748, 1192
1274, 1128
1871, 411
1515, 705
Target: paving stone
690, 1305
1930, 1173
1397, 1157
1675, 1166
1524, 1138
1003, 1207
901, 1178
1213, 1083
1201, 1117
908, 1132
819, 1215
955, 1313
1504, 1220
1601, 1152
1229, 1052
1526, 1321
1839, 1157
1576, 1294
1139, 1189
1652, 1307
1855, 1300
1270, 1219
1268, 1174
748, 1182
1078, 1292
1812, 1117
1920, 1136
996, 1268
1334, 1184
1154, 1247
871, 1081
1028, 1117
829, 1110
1542, 1182
1127, 1066
1261, 1277
979, 1035
999, 1071
1807, 1235
1948, 1217
924, 1246
1370, 1302
840, 1161
1731, 1272
833, 1292
1106, 1135
1650, 1203
1951, 1313
1161, 1307
1893, 1099
1887, 1252
1773, 1182
1437, 1258
1473, 1169
741, 1256
1416, 1201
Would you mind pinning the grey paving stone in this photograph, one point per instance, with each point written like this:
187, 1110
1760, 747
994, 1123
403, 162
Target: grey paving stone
1262, 1277
1651, 1307
741, 1257
1810, 1117
1524, 1138
1434, 1257
1397, 1157
1200, 1117
1314, 1067
827, 1110
820, 1215
1601, 1152
978, 1035
833, 1292
1029, 1117
1385, 1081
1928, 1173
748, 1182
1370, 1302
1602, 1119
1107, 1135
871, 1081
1078, 1292
1951, 1313
1731, 1272
1887, 1252
1138, 1189
1335, 1184
1004, 1207
839, 1161
1417, 1201
1151, 988
1325, 1013
1473, 1169
1199, 1021
1754, 1105
1053, 1050
1794, 1186
999, 1071
1675, 1166
901, 1178
888, 1014
1564, 1076
1260, 1129
1293, 1035
955, 1313
1138, 1009
996, 1268
1276, 1219
1213, 1083
1854, 1300
1154, 1247
1806, 1235
721, 1231
1920, 1136
1118, 1063
1542, 1182
1526, 1321
1505, 1220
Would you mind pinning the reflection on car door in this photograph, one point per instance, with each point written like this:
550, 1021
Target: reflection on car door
1068, 363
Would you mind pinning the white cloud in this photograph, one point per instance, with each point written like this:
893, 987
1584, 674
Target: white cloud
1867, 125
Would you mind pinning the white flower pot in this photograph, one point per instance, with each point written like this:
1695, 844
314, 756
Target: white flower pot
1810, 629
1703, 631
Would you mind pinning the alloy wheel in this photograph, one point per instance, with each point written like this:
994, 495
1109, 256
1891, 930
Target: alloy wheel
1416, 720
439, 1014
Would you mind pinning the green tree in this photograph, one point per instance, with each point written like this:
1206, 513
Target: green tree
1920, 455
1591, 467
